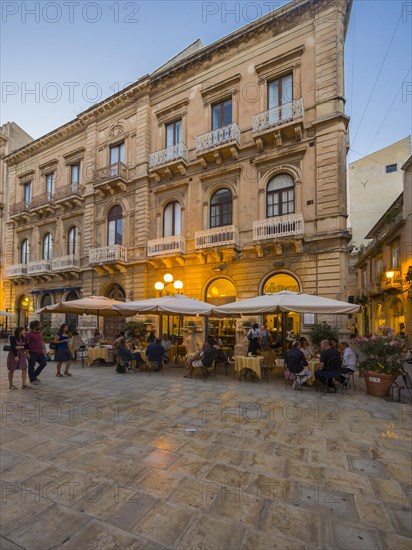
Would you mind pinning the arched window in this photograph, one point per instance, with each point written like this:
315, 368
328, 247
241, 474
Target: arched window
46, 317
47, 247
280, 196
72, 245
221, 208
115, 226
172, 220
25, 251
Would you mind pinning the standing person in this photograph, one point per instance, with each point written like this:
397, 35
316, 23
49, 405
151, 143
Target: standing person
37, 351
254, 339
17, 357
167, 344
63, 354
266, 338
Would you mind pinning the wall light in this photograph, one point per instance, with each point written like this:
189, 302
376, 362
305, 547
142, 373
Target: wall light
390, 274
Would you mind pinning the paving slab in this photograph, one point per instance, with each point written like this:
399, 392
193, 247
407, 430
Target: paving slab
106, 462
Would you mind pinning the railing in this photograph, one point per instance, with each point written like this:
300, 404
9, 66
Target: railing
42, 266
170, 154
66, 262
73, 189
115, 252
19, 208
166, 245
16, 270
218, 236
116, 170
218, 137
277, 116
41, 200
279, 226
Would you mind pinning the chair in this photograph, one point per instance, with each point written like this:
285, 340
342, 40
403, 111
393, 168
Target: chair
294, 366
81, 353
333, 372
154, 366
181, 354
209, 371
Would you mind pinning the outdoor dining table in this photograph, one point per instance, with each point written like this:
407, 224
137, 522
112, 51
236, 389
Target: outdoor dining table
98, 354
313, 365
248, 365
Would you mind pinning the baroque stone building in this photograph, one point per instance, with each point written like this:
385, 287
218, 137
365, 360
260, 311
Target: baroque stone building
225, 167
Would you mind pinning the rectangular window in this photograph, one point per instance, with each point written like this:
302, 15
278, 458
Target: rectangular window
363, 280
309, 318
173, 133
379, 267
391, 168
75, 174
27, 192
222, 114
280, 91
396, 257
117, 153
50, 184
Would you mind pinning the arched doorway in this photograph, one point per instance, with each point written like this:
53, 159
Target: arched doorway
218, 292
114, 325
277, 324
71, 319
22, 311
397, 317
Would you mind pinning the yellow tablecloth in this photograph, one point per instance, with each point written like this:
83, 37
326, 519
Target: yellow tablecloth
252, 363
103, 354
313, 367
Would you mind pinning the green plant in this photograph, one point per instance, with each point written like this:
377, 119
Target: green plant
322, 331
247, 324
382, 353
132, 328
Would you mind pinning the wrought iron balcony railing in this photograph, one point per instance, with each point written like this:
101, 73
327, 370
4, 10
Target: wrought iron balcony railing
277, 116
217, 138
278, 226
170, 154
217, 236
112, 253
166, 245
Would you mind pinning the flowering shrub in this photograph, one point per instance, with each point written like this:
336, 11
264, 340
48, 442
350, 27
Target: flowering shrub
382, 353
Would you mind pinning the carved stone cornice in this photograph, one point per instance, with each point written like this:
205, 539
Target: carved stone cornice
172, 112
272, 67
74, 156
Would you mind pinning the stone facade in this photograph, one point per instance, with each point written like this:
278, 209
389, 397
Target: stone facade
384, 268
213, 120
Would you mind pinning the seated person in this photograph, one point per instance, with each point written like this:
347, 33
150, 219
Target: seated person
124, 353
167, 344
295, 351
95, 339
306, 349
349, 359
205, 358
118, 338
151, 339
155, 352
77, 341
330, 360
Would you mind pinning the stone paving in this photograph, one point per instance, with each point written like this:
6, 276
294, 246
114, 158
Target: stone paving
105, 461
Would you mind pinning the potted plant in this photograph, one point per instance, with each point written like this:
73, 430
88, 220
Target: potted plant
382, 360
322, 331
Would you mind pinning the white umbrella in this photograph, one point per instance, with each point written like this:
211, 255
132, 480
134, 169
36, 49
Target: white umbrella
92, 305
169, 305
6, 314
285, 301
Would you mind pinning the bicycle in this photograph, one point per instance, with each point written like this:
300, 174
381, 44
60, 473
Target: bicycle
406, 380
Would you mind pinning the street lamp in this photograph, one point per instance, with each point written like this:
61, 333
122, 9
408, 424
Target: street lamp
168, 279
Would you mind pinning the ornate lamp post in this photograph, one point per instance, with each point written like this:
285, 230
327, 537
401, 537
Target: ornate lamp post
168, 280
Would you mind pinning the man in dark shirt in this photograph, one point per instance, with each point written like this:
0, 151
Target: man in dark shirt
37, 351
155, 352
330, 360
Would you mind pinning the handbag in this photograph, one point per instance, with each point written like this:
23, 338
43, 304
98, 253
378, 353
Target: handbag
6, 347
52, 345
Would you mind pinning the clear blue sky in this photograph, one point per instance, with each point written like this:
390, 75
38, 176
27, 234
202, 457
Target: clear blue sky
70, 53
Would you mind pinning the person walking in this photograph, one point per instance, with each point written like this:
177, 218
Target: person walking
37, 351
63, 354
17, 357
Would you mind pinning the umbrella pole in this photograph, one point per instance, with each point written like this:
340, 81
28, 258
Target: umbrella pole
178, 337
284, 314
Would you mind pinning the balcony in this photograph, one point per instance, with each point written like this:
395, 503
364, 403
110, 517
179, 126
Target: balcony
68, 263
169, 161
215, 145
108, 259
166, 246
40, 269
43, 205
20, 211
18, 271
111, 179
274, 125
69, 196
226, 236
292, 225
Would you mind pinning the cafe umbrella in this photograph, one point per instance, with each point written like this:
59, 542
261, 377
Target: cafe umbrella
284, 302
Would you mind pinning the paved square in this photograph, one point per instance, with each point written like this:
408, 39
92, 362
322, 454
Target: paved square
106, 461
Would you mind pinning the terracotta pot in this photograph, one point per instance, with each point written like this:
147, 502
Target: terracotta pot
377, 383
